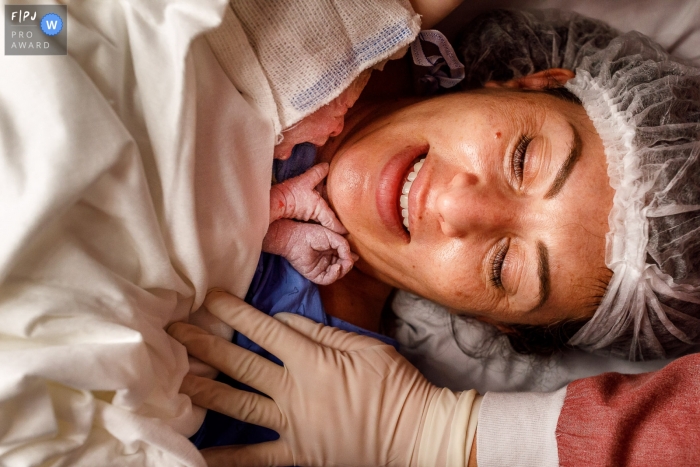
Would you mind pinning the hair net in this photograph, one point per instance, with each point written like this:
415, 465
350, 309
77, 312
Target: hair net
645, 105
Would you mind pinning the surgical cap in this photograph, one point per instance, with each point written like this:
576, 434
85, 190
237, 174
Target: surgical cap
645, 106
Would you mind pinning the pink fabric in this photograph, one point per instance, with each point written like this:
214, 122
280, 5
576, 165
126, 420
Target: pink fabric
651, 419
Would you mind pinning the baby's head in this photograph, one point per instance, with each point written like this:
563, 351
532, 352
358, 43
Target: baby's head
324, 123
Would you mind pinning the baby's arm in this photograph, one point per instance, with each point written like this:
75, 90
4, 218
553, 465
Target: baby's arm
318, 252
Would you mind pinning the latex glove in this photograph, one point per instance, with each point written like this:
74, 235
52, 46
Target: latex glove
319, 254
296, 198
340, 399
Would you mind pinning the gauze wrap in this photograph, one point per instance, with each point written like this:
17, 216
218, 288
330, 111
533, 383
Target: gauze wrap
309, 51
645, 105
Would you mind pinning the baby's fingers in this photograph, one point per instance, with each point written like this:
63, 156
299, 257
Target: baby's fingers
325, 216
314, 175
346, 258
332, 264
327, 275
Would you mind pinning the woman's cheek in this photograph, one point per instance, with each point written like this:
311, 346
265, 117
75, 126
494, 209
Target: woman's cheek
347, 188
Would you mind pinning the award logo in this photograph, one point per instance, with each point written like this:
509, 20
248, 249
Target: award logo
36, 29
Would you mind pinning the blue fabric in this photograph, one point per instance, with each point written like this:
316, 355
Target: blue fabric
302, 159
276, 287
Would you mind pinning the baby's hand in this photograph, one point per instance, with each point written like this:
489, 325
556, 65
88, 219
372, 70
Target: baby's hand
296, 198
320, 255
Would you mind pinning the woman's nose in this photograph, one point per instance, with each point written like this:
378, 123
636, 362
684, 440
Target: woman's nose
467, 205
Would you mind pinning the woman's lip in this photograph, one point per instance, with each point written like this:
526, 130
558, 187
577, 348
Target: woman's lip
391, 181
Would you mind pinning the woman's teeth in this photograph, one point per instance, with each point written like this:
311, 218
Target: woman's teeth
403, 199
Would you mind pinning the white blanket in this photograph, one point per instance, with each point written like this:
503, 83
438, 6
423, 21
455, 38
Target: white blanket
121, 203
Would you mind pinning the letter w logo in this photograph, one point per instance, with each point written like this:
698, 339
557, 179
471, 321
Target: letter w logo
51, 24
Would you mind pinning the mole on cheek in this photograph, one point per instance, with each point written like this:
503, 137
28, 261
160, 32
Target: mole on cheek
498, 134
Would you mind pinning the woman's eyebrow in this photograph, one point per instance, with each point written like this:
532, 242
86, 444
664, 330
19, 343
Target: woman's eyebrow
543, 273
566, 167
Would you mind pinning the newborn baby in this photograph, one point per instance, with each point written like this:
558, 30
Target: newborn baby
318, 251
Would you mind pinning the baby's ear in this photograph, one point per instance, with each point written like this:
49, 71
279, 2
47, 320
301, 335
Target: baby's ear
545, 79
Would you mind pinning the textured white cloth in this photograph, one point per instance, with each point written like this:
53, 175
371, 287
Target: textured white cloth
133, 177
311, 51
518, 429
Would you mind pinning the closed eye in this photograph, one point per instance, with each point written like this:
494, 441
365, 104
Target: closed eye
497, 264
518, 158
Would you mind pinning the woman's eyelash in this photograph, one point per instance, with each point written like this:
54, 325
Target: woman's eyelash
497, 266
519, 157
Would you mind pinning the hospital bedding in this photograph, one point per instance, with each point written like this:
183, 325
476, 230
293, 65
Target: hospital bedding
109, 230
134, 176
87, 372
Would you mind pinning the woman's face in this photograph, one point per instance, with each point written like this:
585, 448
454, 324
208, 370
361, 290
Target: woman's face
507, 213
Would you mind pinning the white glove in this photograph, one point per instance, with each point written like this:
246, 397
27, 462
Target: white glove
340, 399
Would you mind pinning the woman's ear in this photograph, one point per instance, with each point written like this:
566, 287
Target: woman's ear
545, 79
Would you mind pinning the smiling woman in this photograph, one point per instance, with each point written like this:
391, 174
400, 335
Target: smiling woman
517, 201
505, 194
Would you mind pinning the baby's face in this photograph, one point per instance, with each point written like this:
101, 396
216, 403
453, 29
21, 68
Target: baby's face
326, 122
506, 213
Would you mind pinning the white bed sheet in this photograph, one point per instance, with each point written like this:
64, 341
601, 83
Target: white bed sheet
123, 198
424, 329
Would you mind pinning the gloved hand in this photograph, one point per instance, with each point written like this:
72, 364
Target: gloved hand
340, 399
319, 254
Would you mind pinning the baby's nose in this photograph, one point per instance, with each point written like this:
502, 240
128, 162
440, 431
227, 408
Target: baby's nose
337, 127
